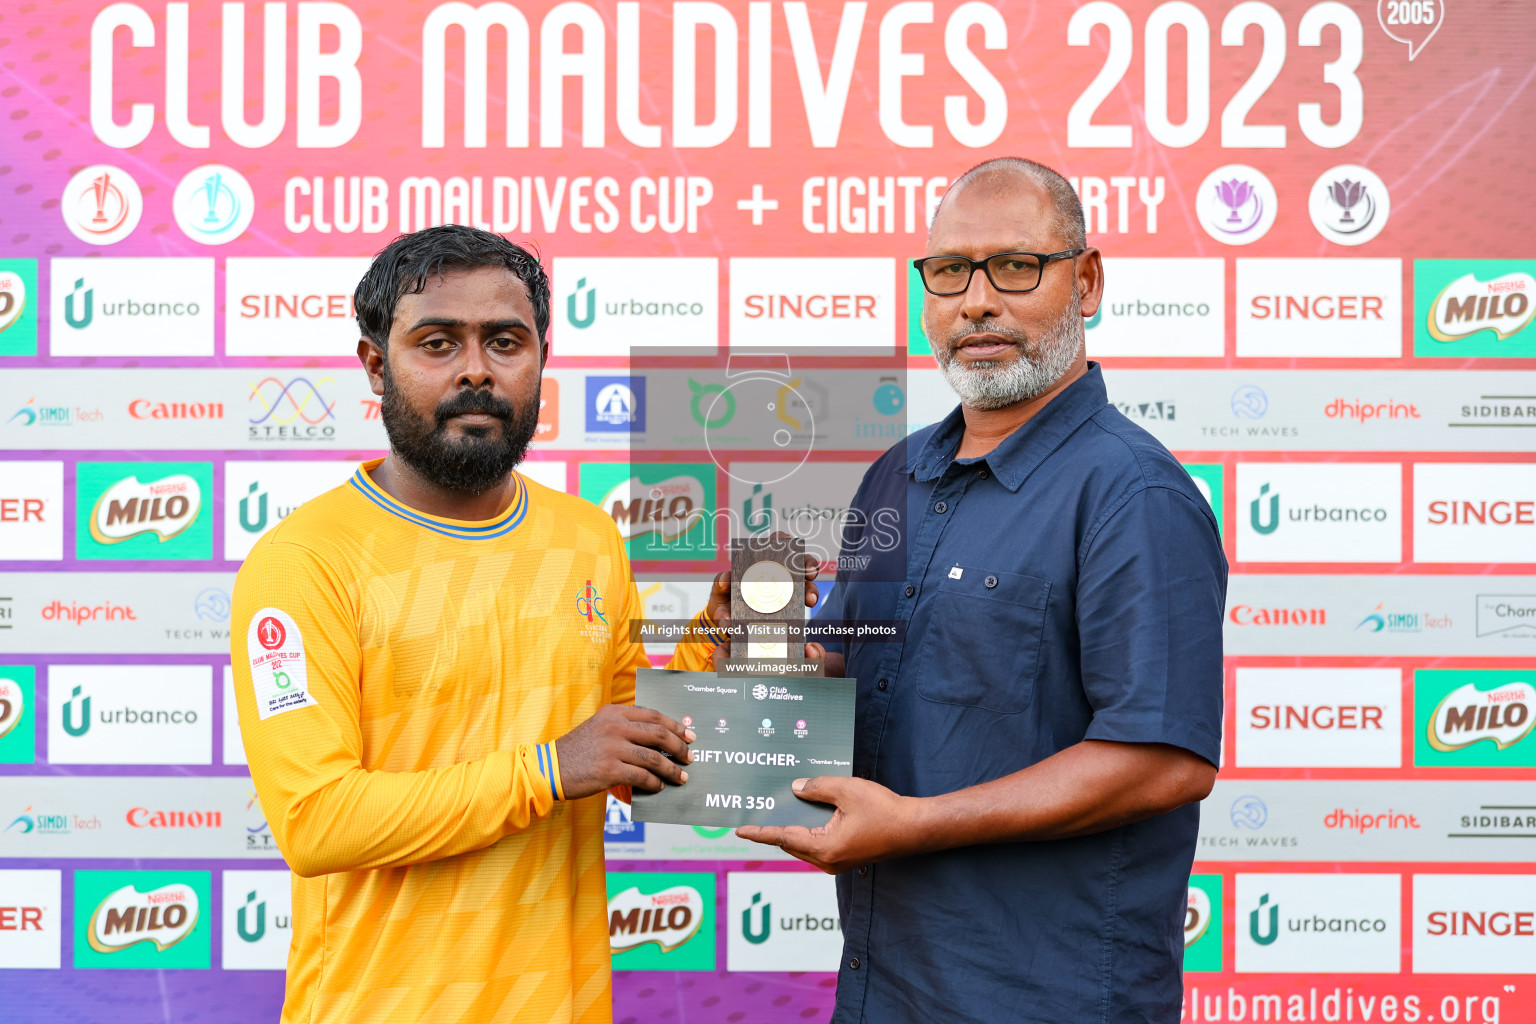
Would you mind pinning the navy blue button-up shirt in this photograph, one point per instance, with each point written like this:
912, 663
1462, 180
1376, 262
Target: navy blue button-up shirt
1067, 586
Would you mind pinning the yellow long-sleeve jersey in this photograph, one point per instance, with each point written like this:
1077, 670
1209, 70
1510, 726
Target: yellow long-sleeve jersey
401, 679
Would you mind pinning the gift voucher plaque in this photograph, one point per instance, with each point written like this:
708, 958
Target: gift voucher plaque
756, 736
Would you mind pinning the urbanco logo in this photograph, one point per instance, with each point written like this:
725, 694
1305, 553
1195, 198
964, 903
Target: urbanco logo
613, 306
1319, 512
142, 919
143, 510
662, 921
102, 204
1323, 923
136, 306
259, 495
1474, 308
1161, 307
258, 920
782, 921
130, 714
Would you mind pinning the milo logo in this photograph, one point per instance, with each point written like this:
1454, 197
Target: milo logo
12, 703
128, 508
1468, 715
127, 917
1466, 306
1197, 916
667, 918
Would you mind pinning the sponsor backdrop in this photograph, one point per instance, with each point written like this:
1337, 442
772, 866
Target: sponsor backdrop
1320, 295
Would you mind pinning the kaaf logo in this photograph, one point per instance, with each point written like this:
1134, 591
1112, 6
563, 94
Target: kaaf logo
127, 917
213, 204
128, 508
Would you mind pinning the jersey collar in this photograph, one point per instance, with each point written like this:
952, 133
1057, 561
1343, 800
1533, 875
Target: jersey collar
487, 530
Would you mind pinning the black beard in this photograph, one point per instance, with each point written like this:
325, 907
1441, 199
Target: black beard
471, 464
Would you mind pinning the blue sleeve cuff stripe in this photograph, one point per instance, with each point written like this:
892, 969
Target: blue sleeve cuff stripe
549, 775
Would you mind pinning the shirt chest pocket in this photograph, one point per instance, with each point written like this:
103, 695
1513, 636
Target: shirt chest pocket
981, 648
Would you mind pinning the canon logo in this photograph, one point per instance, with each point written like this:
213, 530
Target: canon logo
1247, 615
1500, 923
297, 307
143, 817
80, 614
1316, 307
1498, 513
144, 409
1322, 716
814, 307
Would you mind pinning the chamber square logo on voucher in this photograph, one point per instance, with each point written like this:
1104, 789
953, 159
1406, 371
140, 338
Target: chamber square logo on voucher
258, 920
18, 714
613, 306
31, 919
820, 302
1474, 308
1474, 924
144, 510
782, 921
131, 306
1474, 718
130, 714
1319, 718
32, 511
1333, 308
259, 495
1161, 307
1474, 512
291, 305
1202, 924
1319, 512
19, 300
661, 921
142, 919
1318, 923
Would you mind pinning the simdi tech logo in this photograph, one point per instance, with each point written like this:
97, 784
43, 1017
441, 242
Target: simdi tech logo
18, 697
143, 510
18, 307
663, 510
1474, 718
662, 921
1474, 308
142, 919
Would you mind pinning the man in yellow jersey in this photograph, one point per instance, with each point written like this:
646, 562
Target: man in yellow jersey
433, 668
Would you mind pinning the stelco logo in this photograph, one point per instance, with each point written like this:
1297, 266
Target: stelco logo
1468, 715
1264, 516
127, 917
1264, 923
78, 723
1467, 306
128, 508
764, 925
666, 508
668, 918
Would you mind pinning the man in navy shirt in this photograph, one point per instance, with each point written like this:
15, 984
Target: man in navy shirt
1016, 842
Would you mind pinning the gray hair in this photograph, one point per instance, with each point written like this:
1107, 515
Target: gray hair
1068, 224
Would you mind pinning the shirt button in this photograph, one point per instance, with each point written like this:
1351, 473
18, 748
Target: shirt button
853, 964
991, 581
863, 872
983, 474
884, 684
911, 590
941, 507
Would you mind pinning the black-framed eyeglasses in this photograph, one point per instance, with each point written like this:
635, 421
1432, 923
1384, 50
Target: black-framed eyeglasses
1008, 271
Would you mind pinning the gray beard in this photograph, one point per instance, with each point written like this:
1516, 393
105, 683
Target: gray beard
996, 384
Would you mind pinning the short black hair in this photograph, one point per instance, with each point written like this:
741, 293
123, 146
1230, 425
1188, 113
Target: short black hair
1069, 225
403, 266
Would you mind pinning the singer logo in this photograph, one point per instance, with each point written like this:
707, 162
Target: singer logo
128, 508
126, 917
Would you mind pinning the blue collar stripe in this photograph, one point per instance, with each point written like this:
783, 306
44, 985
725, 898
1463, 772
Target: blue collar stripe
501, 529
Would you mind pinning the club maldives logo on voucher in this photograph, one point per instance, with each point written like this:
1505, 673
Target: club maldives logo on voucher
1474, 718
143, 510
1474, 308
1161, 307
142, 919
661, 921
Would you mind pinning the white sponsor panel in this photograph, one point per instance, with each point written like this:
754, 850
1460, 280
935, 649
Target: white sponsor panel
279, 668
234, 746
670, 600
291, 305
813, 303
1474, 924
1319, 512
131, 306
613, 306
810, 503
782, 921
31, 919
550, 474
1334, 308
258, 920
1319, 718
1474, 512
259, 495
115, 612
1319, 923
1160, 307
31, 511
130, 714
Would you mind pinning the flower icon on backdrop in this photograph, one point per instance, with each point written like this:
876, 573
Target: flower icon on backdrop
1346, 194
1234, 195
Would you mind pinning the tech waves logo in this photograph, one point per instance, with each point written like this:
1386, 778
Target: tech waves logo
1468, 305
1468, 715
165, 507
293, 410
667, 918
127, 917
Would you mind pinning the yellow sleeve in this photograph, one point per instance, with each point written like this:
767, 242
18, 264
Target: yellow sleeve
297, 666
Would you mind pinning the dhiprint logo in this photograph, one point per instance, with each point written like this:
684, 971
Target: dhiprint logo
782, 921
296, 410
1161, 307
612, 306
260, 495
662, 921
1319, 512
291, 305
102, 204
213, 204
615, 405
130, 714
1349, 204
1474, 308
136, 306
1323, 923
1236, 204
137, 919
258, 920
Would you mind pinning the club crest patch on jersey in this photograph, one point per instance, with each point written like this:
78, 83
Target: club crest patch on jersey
279, 671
